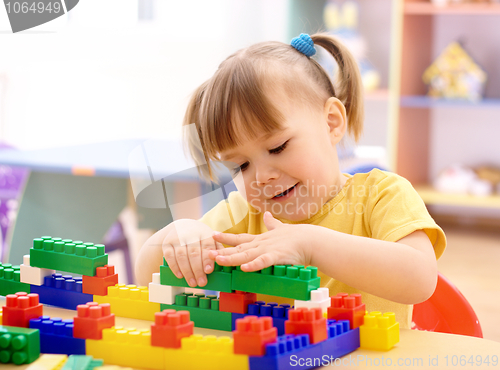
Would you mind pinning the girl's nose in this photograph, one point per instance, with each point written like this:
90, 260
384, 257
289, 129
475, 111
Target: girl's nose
265, 174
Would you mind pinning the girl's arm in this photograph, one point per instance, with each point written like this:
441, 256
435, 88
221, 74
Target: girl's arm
404, 271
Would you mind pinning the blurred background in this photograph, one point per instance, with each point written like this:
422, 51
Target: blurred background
123, 71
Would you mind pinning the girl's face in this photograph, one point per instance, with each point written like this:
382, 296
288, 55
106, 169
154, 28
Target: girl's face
293, 172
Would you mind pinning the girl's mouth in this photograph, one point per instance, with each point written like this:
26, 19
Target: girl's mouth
286, 194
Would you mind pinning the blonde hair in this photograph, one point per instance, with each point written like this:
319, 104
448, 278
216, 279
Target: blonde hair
234, 104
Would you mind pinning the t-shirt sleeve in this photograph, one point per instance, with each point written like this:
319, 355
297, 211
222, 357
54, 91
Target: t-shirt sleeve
397, 210
228, 216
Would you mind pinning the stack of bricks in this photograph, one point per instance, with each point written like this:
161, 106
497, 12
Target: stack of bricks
38, 275
265, 335
99, 282
238, 291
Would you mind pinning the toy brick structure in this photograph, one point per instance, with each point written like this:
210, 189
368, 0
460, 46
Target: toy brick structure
266, 335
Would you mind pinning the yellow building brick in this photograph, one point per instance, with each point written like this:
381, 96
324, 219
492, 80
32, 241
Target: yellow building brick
380, 332
130, 301
127, 347
208, 353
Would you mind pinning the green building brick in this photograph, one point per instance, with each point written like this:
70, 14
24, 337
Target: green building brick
10, 280
81, 362
294, 282
67, 255
19, 345
219, 280
203, 311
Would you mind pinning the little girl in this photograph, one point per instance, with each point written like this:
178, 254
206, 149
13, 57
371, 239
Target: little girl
273, 112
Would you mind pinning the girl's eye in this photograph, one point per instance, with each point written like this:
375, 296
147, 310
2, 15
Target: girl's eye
279, 149
242, 168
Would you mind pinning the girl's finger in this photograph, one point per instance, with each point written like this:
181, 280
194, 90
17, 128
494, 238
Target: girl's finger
195, 260
233, 239
169, 255
207, 245
238, 258
231, 250
181, 255
259, 263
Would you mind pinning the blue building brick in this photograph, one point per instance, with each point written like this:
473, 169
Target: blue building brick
62, 291
279, 313
341, 340
295, 352
56, 336
289, 352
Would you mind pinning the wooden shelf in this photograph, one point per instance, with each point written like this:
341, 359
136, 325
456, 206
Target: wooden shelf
422, 101
433, 197
379, 94
427, 8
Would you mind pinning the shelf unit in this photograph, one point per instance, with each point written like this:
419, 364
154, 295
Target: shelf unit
410, 112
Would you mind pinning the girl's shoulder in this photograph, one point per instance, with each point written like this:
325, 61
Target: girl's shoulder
378, 176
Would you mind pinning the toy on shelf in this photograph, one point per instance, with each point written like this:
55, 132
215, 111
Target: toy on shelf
342, 21
455, 75
460, 179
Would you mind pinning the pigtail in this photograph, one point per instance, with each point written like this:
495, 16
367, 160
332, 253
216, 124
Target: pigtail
192, 135
349, 87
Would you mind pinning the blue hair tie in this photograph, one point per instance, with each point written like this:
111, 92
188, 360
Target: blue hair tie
304, 44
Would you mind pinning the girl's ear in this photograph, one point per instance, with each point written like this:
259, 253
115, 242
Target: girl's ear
336, 119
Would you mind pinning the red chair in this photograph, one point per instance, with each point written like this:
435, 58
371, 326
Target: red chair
446, 311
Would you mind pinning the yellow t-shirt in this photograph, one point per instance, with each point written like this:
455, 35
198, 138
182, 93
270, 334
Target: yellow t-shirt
378, 204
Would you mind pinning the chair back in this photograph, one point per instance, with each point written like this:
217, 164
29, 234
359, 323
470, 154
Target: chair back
446, 311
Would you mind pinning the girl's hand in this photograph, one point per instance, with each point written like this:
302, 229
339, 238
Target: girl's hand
185, 248
283, 244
